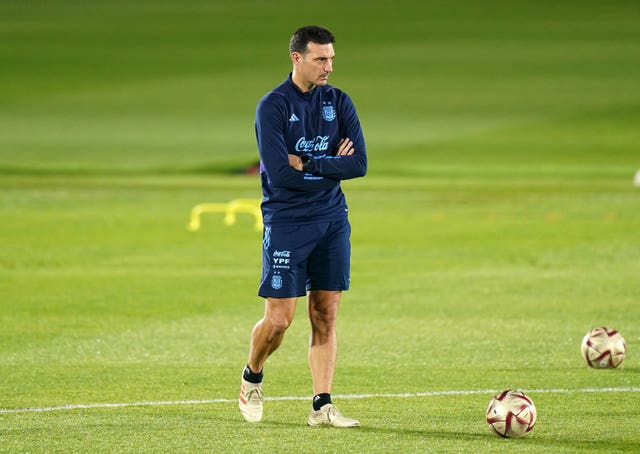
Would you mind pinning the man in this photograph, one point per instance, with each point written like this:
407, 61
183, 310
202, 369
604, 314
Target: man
309, 139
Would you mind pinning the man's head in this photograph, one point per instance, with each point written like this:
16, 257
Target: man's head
309, 33
312, 55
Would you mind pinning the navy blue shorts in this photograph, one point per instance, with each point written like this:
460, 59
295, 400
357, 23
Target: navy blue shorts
298, 258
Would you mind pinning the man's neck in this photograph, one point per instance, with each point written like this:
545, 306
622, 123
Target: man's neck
304, 87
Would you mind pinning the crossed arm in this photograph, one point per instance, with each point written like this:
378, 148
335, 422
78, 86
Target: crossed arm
345, 148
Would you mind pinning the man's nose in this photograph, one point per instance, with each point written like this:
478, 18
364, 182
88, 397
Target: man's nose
328, 67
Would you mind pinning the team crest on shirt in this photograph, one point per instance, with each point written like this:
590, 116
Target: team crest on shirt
276, 282
328, 113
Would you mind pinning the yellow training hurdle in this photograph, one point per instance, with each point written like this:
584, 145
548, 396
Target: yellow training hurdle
230, 209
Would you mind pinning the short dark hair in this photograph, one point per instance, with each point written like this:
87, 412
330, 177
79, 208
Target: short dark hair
309, 33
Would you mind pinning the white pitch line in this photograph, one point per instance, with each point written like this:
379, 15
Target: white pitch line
290, 398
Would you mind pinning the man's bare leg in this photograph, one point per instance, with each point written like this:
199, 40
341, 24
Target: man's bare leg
323, 349
323, 345
268, 333
266, 337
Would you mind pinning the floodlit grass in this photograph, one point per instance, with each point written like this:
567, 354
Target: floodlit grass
497, 225
108, 299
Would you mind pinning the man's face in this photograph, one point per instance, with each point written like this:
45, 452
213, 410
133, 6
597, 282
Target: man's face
314, 66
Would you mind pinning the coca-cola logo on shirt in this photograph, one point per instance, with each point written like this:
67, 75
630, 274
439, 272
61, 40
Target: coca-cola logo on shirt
319, 143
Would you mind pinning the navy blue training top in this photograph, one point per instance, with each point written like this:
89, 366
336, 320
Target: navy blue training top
289, 121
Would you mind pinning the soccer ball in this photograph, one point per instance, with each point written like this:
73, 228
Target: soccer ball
511, 414
603, 348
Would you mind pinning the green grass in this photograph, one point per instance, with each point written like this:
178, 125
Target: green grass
497, 225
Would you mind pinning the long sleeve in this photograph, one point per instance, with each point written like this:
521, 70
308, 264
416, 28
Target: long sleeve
269, 126
344, 167
292, 122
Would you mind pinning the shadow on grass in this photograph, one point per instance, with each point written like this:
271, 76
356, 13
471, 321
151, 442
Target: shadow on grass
227, 430
537, 441
406, 432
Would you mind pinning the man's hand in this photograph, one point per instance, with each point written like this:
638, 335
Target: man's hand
345, 147
295, 162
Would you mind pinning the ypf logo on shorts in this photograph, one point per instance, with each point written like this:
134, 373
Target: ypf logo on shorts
281, 259
276, 282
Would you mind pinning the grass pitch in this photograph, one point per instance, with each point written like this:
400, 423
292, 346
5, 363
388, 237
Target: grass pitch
497, 225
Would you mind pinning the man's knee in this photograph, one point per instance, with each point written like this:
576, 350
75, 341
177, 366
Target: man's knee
323, 309
278, 324
279, 314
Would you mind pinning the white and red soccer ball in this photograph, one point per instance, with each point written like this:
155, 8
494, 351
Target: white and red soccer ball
603, 348
511, 414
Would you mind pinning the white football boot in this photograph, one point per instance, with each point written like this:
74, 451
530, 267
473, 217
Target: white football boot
328, 415
250, 401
